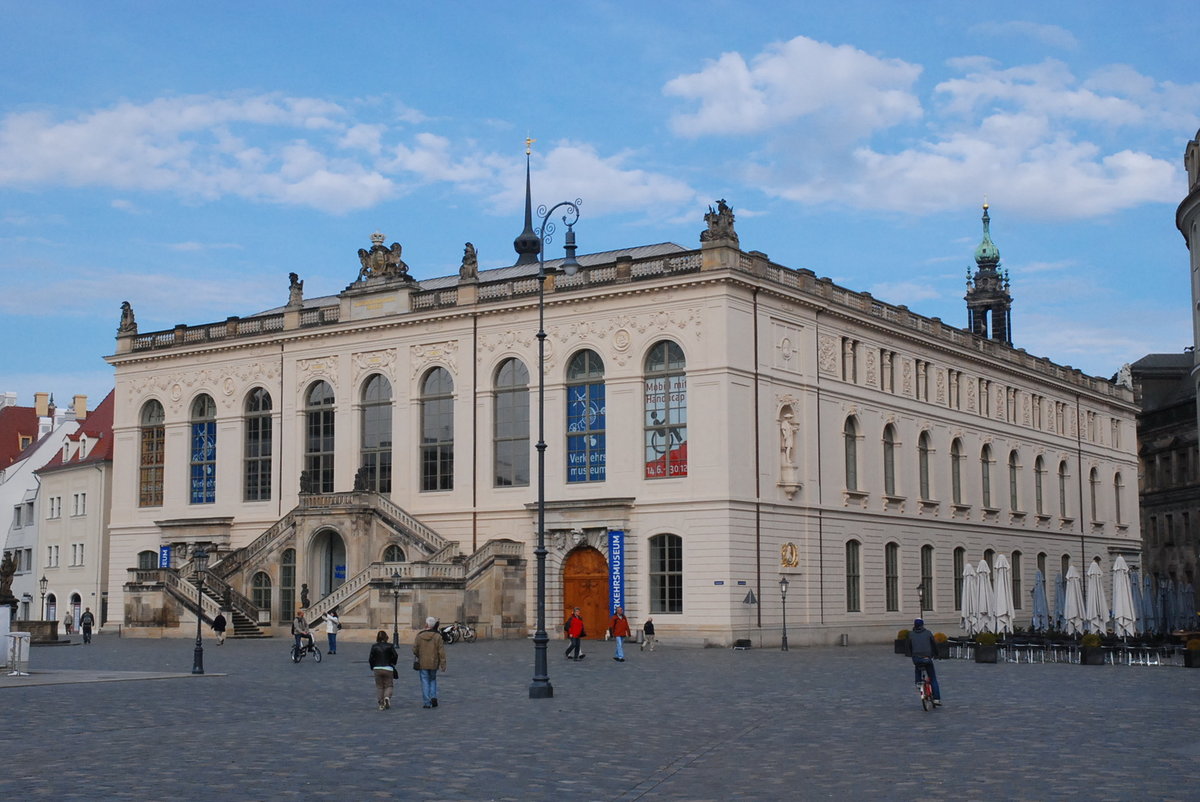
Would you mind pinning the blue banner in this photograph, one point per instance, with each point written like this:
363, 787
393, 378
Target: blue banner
164, 556
616, 569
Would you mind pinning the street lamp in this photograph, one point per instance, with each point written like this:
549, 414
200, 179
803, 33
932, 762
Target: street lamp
921, 597
783, 588
200, 561
540, 687
396, 607
42, 583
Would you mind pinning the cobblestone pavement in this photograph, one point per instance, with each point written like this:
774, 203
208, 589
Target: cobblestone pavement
681, 723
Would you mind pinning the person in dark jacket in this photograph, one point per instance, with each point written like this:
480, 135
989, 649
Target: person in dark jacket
86, 622
219, 624
382, 663
923, 650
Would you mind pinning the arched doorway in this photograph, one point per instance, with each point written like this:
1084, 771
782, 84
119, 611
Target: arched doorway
328, 560
76, 611
585, 585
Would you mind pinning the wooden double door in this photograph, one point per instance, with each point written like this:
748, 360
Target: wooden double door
585, 585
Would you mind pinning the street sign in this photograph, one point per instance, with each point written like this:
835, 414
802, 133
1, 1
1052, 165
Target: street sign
750, 599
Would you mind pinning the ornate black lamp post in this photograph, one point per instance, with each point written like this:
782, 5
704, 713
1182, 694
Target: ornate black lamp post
200, 560
921, 598
42, 583
783, 589
540, 687
396, 607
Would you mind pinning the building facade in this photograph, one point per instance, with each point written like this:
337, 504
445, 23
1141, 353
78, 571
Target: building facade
714, 421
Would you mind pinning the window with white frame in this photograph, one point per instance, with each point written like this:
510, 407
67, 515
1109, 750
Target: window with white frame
79, 506
52, 556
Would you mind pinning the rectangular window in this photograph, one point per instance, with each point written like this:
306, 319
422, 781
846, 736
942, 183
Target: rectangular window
853, 578
666, 426
79, 506
204, 462
666, 574
927, 579
258, 457
52, 556
586, 438
891, 560
1016, 579
150, 470
16, 518
959, 564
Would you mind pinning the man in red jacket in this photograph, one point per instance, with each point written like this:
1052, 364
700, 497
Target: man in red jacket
619, 628
575, 631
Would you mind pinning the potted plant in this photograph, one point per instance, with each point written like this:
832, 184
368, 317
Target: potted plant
1191, 655
985, 647
942, 644
901, 643
1090, 653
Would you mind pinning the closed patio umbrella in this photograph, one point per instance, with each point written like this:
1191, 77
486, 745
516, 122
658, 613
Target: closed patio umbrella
1166, 592
1149, 605
985, 600
1060, 603
1123, 610
1135, 588
1041, 613
1073, 604
1096, 609
1189, 604
1004, 609
970, 616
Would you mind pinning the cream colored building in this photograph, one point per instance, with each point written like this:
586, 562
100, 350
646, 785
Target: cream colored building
732, 419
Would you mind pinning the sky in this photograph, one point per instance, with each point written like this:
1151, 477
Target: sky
186, 157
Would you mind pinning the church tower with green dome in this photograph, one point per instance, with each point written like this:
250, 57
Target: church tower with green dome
989, 305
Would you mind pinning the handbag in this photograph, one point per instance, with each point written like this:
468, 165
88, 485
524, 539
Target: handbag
416, 666
395, 673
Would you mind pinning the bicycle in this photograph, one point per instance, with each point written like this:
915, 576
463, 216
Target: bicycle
925, 689
457, 631
309, 647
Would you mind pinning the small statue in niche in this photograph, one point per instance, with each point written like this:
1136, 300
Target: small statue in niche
470, 263
787, 436
295, 290
306, 482
128, 322
360, 480
720, 224
304, 595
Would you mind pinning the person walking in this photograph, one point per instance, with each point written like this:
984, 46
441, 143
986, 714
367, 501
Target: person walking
430, 652
67, 623
618, 626
647, 635
86, 622
575, 631
332, 625
923, 651
382, 663
219, 624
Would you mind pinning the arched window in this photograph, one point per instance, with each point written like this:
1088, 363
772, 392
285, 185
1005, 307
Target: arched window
319, 442
586, 438
850, 433
1041, 563
260, 593
393, 554
259, 446
151, 455
891, 576
147, 560
437, 431
927, 578
666, 574
666, 411
1062, 489
511, 425
985, 476
375, 457
853, 577
889, 460
1039, 474
1093, 483
924, 448
960, 563
956, 459
203, 466
989, 557
1118, 491
287, 584
1015, 566
1014, 481
1066, 564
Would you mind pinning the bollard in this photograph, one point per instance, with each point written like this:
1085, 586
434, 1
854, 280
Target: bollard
844, 640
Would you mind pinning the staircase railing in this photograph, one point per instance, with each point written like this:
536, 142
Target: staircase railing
186, 593
490, 551
224, 591
228, 565
383, 572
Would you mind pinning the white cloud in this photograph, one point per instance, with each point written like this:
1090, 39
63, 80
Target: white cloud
905, 293
840, 86
1051, 35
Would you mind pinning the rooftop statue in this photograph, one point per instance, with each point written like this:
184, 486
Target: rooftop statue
720, 224
295, 290
381, 262
128, 323
470, 263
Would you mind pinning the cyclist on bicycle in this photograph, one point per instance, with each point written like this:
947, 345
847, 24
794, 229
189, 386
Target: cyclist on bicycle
923, 650
300, 630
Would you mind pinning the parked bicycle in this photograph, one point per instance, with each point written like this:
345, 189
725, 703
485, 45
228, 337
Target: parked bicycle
307, 648
457, 631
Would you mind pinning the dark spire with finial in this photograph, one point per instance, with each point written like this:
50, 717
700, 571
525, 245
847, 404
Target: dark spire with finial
527, 244
989, 304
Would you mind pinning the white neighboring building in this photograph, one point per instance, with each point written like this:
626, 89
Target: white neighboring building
20, 514
715, 421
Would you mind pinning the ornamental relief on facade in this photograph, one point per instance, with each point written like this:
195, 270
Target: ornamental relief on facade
322, 367
1025, 409
940, 385
871, 381
1000, 405
907, 373
177, 389
827, 350
383, 361
427, 354
970, 395
787, 346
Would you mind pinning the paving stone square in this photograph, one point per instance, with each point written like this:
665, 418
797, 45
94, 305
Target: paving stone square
678, 724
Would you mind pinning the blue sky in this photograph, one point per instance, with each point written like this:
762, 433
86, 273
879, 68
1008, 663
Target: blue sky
187, 157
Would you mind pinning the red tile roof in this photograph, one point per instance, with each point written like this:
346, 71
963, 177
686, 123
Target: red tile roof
97, 428
18, 431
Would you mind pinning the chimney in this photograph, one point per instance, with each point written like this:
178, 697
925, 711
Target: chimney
41, 404
79, 403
